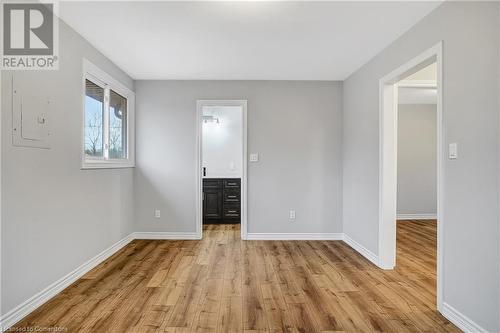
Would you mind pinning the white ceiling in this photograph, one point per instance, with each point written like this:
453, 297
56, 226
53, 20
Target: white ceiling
244, 39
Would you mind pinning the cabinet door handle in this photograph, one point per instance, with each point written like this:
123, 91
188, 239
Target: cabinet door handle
232, 196
232, 211
231, 184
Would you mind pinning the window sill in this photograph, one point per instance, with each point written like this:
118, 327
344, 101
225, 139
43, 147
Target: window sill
89, 165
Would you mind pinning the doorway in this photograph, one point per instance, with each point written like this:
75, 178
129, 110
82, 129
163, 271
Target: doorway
417, 147
221, 172
388, 160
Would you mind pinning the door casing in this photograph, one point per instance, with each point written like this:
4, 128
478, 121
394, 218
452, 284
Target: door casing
199, 172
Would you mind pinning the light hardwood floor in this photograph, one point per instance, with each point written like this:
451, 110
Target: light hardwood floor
223, 284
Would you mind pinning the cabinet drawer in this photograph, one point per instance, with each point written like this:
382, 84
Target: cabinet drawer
231, 196
232, 183
231, 212
212, 183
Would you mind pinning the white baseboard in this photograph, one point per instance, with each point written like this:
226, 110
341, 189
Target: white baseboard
364, 251
25, 308
28, 306
432, 216
166, 235
460, 320
294, 236
450, 313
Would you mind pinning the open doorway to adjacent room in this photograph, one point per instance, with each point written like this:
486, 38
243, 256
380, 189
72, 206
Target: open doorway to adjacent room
221, 172
416, 227
411, 154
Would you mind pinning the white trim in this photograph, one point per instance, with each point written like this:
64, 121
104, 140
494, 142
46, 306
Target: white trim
28, 306
25, 308
107, 82
364, 251
198, 158
1, 212
417, 84
460, 320
450, 313
166, 235
322, 236
432, 216
295, 236
388, 160
244, 181
198, 172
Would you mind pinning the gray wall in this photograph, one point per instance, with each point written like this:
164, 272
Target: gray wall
55, 216
295, 128
417, 161
471, 85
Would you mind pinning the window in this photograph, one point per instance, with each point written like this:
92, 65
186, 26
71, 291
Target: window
108, 129
94, 120
117, 125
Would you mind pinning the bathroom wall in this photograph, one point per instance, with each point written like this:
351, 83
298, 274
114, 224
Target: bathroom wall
222, 141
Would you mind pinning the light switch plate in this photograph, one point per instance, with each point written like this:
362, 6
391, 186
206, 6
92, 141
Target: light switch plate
453, 151
254, 157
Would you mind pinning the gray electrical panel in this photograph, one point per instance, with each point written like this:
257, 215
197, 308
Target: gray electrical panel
30, 116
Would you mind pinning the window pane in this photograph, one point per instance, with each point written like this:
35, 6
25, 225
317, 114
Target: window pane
117, 126
94, 120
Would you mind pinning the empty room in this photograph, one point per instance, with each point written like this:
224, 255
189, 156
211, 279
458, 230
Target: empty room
250, 166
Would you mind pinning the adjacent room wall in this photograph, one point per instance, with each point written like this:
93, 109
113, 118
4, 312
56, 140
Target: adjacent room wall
55, 216
470, 35
295, 128
417, 161
223, 142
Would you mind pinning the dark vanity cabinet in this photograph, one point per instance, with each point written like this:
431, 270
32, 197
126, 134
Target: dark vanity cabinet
221, 200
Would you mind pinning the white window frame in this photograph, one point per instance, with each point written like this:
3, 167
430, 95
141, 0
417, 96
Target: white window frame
93, 73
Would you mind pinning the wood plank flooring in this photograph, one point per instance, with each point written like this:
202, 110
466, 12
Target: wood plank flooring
223, 284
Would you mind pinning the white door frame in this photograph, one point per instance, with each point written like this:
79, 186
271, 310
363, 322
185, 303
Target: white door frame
199, 176
388, 160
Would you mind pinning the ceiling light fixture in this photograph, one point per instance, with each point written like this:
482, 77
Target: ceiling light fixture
210, 119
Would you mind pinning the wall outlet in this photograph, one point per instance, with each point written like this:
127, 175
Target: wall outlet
254, 157
157, 213
292, 215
